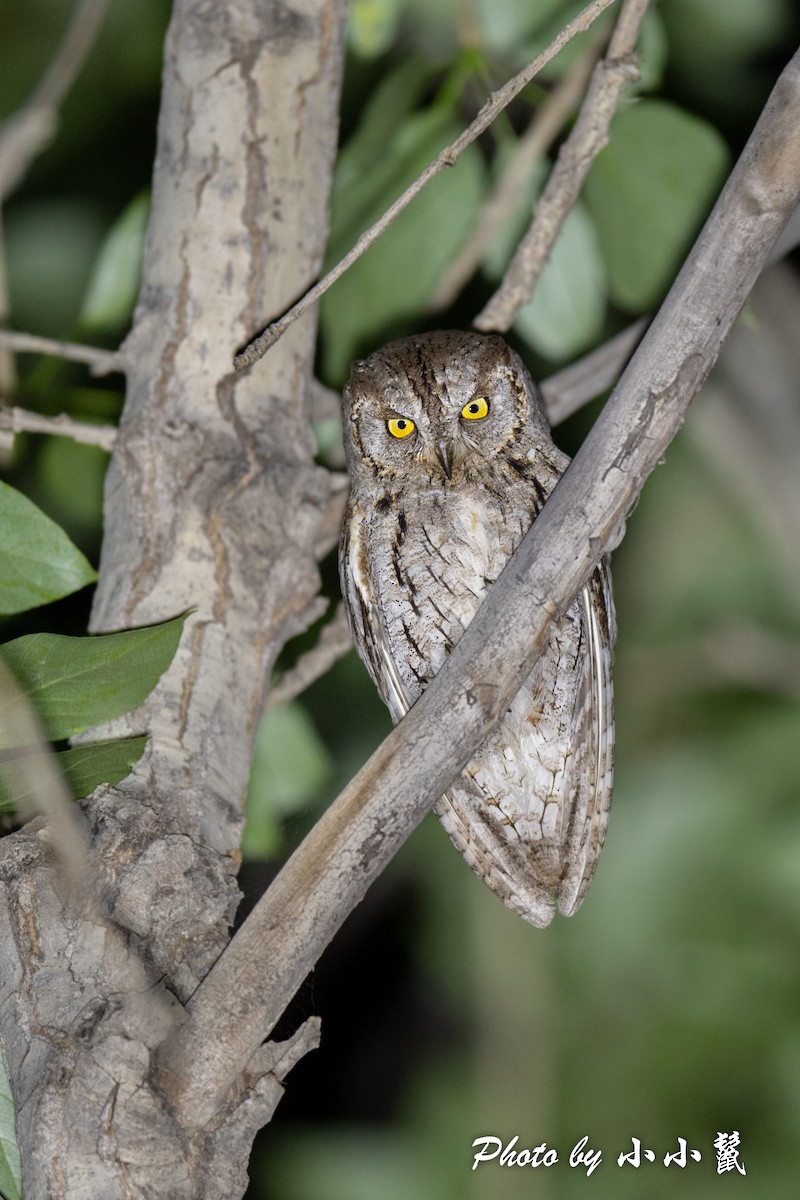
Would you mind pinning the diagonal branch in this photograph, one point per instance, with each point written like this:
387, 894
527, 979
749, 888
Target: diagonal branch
588, 137
448, 158
258, 973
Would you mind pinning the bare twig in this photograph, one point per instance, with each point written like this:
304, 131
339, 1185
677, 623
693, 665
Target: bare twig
448, 158
102, 362
506, 197
24, 135
248, 988
334, 642
20, 420
568, 390
589, 135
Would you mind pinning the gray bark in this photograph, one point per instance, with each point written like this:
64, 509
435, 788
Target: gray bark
213, 502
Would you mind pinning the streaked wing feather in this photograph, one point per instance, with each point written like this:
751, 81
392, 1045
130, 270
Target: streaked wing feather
366, 624
594, 731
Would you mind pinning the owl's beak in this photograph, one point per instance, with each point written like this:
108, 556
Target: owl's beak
444, 451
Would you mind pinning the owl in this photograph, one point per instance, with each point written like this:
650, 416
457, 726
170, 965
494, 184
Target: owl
451, 460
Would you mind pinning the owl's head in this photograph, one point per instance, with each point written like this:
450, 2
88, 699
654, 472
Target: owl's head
440, 408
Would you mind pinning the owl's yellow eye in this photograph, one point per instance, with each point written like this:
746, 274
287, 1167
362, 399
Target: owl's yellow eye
476, 409
400, 427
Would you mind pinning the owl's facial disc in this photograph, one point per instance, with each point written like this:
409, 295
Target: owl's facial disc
442, 435
440, 409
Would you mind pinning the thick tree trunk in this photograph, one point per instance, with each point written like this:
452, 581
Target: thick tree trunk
213, 502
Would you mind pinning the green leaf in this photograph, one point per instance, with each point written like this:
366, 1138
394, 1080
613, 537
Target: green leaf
10, 1167
38, 562
568, 307
372, 25
290, 765
85, 768
506, 25
648, 192
114, 283
369, 162
395, 278
76, 682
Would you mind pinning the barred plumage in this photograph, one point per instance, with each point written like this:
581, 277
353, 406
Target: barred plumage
451, 459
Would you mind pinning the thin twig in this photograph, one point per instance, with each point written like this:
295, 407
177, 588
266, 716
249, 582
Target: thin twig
334, 642
506, 197
448, 158
589, 135
568, 390
102, 362
25, 134
20, 420
251, 983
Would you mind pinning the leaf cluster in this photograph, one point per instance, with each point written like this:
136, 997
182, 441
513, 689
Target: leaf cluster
73, 683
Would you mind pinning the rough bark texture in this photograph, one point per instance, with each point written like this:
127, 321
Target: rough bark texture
212, 502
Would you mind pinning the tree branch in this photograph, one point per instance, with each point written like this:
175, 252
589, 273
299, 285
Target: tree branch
588, 137
26, 133
20, 420
334, 642
102, 362
260, 970
448, 158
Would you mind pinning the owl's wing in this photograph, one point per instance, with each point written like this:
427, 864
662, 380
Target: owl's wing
529, 813
364, 616
592, 776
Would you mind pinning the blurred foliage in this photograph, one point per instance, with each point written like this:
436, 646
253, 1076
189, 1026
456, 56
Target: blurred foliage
38, 562
668, 1007
10, 1169
71, 683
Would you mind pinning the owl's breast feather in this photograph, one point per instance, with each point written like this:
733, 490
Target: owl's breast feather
432, 566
